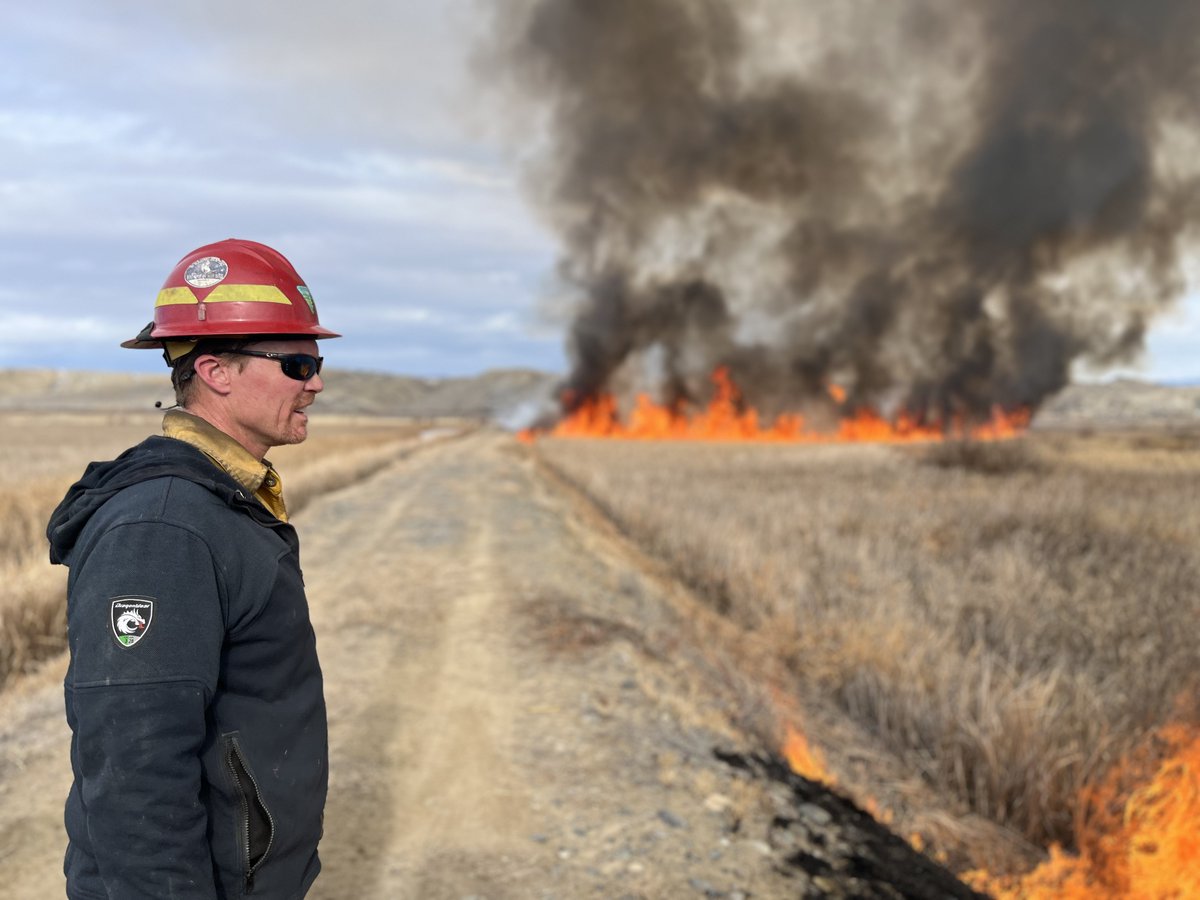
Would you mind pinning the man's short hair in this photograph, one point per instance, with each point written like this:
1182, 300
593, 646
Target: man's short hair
183, 370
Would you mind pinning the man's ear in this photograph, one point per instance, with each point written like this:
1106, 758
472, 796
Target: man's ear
214, 372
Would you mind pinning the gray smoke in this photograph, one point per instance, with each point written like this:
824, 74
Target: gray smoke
939, 206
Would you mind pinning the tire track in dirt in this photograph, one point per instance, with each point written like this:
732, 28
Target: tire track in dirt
419, 690
504, 722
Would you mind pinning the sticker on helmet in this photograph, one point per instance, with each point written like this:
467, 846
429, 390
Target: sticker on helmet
131, 617
206, 271
307, 295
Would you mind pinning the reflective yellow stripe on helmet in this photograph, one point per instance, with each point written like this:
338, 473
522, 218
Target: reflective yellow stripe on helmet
224, 293
175, 296
254, 293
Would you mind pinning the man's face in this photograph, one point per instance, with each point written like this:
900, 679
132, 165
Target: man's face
268, 406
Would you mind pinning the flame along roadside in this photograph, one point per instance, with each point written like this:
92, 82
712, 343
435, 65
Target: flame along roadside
1137, 843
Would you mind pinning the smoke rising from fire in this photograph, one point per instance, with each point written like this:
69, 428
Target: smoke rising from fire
936, 206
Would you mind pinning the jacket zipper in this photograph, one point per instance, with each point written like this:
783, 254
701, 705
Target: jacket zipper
233, 758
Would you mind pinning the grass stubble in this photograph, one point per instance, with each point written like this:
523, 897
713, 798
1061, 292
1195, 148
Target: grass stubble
42, 454
1008, 620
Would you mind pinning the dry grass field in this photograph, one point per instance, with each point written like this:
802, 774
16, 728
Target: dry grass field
980, 630
43, 453
1007, 620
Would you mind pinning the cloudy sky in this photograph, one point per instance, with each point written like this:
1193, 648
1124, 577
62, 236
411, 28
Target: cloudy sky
352, 137
354, 142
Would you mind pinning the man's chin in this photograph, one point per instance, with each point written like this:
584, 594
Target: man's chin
298, 427
293, 434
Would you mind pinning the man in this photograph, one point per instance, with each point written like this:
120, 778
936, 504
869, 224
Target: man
194, 696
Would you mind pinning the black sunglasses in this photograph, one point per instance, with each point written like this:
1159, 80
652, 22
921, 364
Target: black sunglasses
300, 366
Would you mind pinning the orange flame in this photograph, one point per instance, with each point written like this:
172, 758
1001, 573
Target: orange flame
1142, 843
1136, 844
725, 420
804, 759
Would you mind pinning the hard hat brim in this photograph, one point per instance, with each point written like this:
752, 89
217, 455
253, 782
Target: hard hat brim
156, 341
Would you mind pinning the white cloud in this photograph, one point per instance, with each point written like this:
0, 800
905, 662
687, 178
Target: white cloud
69, 207
18, 328
409, 316
42, 128
433, 172
501, 323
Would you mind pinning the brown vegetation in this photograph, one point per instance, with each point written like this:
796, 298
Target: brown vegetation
42, 454
1007, 620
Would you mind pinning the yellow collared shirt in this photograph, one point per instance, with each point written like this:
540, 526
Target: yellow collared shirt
257, 476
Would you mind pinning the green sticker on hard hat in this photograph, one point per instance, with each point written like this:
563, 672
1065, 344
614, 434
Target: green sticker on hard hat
307, 295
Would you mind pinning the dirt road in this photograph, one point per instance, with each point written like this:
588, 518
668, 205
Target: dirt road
515, 711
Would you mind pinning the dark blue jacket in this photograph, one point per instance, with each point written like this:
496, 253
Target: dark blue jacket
194, 696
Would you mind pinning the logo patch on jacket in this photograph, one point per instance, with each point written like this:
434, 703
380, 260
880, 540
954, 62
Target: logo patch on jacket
131, 617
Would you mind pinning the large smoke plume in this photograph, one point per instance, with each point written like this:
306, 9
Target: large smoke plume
935, 205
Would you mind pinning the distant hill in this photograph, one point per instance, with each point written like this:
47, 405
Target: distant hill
510, 397
1124, 402
514, 398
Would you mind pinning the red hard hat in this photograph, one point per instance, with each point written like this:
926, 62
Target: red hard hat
229, 289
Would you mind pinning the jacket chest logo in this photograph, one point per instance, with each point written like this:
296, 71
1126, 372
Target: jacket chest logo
131, 617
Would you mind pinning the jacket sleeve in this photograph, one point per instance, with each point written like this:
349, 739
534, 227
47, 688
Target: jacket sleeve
138, 705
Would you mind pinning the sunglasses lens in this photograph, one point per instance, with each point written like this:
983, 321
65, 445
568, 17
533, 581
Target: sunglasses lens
300, 366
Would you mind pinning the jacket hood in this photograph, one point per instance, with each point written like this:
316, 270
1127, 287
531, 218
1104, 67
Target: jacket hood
155, 457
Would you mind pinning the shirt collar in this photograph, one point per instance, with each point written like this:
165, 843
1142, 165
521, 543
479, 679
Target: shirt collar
223, 450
